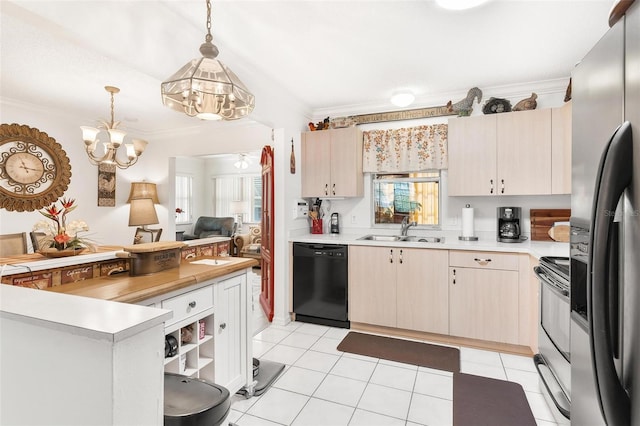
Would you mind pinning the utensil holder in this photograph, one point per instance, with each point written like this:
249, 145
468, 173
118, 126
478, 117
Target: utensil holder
316, 226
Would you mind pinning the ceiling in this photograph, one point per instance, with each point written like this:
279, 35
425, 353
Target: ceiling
346, 56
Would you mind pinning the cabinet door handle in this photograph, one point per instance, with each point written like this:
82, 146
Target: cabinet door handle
326, 189
334, 189
454, 277
482, 261
223, 325
401, 256
192, 304
491, 182
390, 256
502, 186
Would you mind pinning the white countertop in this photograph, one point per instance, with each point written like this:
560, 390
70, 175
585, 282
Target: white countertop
93, 318
486, 242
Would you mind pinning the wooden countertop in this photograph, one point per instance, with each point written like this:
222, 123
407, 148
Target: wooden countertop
127, 289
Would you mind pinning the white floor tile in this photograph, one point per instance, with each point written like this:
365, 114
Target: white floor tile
337, 333
283, 354
480, 356
386, 401
484, 370
318, 412
428, 410
260, 347
315, 329
232, 417
398, 364
367, 418
242, 404
341, 390
249, 420
360, 357
539, 406
435, 371
517, 362
278, 406
317, 361
291, 326
545, 423
353, 368
299, 380
394, 377
434, 385
299, 339
327, 345
528, 380
271, 334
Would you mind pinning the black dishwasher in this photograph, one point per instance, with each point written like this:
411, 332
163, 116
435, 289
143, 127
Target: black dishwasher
320, 275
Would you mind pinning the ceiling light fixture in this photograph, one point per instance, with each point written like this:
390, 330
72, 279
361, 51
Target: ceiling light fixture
242, 162
108, 153
459, 4
402, 99
206, 88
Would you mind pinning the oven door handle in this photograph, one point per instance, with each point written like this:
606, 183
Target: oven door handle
550, 284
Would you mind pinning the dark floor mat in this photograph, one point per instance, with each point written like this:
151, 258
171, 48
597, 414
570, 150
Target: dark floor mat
481, 401
406, 351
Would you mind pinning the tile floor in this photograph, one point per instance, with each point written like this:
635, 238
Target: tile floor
324, 387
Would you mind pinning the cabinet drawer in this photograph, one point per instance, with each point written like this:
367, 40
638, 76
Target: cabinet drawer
190, 303
483, 260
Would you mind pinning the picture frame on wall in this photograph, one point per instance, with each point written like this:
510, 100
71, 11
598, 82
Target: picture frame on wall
147, 235
106, 185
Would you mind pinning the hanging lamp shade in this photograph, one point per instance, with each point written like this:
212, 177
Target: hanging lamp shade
206, 88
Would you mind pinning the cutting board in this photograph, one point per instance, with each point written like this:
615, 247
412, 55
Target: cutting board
559, 233
542, 220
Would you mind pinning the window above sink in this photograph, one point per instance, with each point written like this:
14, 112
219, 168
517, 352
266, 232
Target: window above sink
415, 196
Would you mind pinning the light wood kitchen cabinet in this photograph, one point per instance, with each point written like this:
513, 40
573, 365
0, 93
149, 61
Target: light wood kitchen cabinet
332, 163
500, 154
484, 296
561, 149
372, 285
399, 287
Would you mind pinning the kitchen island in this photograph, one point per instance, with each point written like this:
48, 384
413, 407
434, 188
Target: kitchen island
89, 359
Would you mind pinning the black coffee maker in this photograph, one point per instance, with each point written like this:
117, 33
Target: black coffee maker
509, 225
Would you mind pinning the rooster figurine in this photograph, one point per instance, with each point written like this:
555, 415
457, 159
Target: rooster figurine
527, 103
465, 106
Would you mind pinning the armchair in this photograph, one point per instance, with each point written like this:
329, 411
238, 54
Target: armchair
248, 245
212, 227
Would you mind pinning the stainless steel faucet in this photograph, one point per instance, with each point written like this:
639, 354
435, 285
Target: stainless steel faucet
405, 226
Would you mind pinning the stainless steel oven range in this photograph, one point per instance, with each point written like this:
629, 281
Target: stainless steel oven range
554, 342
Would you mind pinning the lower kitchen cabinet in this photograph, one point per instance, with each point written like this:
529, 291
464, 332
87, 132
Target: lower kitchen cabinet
399, 287
211, 330
484, 296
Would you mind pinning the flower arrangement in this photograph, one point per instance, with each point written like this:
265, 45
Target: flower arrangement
63, 236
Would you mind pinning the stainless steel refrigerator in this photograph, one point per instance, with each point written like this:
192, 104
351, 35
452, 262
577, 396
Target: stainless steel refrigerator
605, 229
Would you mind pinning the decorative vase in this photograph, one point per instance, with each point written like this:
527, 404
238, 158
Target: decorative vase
53, 252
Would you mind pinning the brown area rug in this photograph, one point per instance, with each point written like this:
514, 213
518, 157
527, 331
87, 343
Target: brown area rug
408, 352
481, 401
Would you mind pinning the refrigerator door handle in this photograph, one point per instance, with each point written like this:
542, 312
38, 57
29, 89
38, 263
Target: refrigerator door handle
614, 176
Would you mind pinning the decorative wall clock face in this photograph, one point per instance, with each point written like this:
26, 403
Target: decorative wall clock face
34, 169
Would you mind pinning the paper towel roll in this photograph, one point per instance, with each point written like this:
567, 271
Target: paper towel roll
467, 221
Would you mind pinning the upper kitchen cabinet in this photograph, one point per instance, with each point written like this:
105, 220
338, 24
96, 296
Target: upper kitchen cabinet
501, 154
561, 149
332, 163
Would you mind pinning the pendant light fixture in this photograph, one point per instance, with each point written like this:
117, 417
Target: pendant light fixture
107, 154
206, 88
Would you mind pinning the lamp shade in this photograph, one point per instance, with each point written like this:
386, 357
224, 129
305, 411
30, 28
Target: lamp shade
142, 212
239, 207
143, 190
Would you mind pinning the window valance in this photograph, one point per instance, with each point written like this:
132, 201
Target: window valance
405, 150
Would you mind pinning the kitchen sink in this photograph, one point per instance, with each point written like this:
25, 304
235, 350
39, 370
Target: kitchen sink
408, 239
419, 239
383, 238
